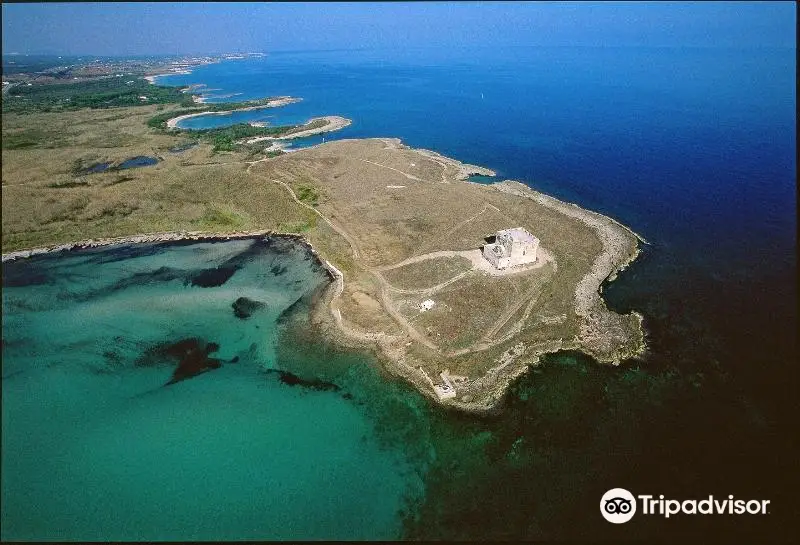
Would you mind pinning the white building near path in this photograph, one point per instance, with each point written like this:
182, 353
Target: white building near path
445, 390
512, 247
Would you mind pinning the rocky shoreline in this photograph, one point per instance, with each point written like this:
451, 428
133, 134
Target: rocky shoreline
603, 335
486, 393
172, 236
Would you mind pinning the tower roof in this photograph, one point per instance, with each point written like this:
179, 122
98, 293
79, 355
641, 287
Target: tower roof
519, 234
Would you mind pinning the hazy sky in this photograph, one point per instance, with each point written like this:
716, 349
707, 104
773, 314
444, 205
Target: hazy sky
154, 28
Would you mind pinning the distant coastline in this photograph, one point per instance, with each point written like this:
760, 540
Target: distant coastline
314, 126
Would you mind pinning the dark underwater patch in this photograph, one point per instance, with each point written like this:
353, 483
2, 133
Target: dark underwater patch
217, 276
112, 254
162, 274
278, 270
243, 307
254, 249
191, 355
19, 277
211, 278
279, 245
290, 379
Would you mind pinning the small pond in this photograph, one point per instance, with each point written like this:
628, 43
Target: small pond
138, 161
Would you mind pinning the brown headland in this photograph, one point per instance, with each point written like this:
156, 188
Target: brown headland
395, 226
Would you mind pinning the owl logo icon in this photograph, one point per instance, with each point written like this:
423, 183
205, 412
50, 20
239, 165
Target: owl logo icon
617, 506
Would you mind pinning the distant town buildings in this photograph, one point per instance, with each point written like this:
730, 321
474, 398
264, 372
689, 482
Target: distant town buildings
511, 248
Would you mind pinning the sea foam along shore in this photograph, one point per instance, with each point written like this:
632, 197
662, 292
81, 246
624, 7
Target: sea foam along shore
273, 103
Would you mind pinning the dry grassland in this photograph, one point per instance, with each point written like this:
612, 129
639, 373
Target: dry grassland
45, 202
426, 274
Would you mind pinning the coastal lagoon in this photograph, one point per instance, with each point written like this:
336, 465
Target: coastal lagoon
693, 148
137, 162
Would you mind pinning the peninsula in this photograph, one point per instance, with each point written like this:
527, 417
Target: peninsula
400, 230
268, 103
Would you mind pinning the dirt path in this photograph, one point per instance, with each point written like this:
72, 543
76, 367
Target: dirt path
478, 261
524, 299
479, 264
409, 176
458, 226
399, 318
427, 291
345, 234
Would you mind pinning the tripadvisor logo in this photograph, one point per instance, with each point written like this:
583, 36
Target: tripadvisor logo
618, 506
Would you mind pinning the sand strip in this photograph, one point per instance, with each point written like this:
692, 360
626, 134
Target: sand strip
334, 123
274, 103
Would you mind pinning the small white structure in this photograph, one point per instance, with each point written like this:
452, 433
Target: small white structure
512, 247
445, 390
427, 304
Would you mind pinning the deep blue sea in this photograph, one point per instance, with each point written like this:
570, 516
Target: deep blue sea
694, 149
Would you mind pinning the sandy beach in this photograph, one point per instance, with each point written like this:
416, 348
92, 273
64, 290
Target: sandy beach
274, 103
334, 123
152, 79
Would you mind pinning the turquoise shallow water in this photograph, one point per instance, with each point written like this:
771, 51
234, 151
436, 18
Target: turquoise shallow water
97, 447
